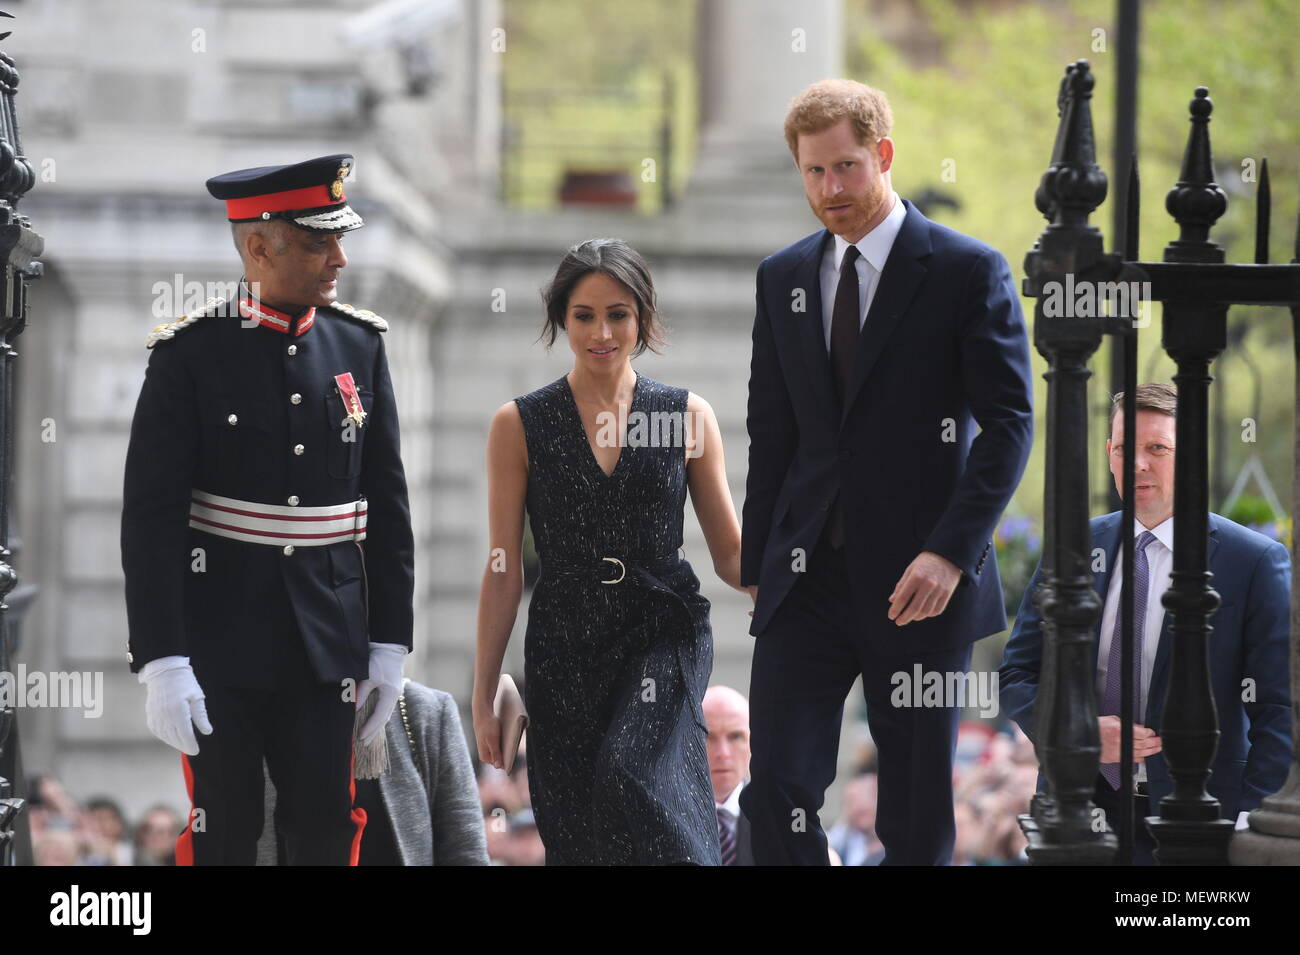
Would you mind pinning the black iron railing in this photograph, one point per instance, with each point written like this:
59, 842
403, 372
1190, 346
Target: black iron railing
1196, 288
19, 246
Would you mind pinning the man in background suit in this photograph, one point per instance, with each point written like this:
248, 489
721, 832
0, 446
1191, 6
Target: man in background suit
726, 713
854, 837
1248, 641
881, 344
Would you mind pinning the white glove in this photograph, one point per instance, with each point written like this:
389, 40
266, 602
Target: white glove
175, 703
386, 661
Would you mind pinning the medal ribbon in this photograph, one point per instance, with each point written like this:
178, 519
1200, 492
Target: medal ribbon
351, 400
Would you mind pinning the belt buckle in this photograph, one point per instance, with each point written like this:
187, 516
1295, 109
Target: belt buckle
622, 571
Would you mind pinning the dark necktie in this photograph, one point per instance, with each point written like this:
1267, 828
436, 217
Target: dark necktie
845, 328
845, 323
726, 839
1110, 698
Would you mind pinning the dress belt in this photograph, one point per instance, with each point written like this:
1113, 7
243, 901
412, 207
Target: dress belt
614, 567
645, 573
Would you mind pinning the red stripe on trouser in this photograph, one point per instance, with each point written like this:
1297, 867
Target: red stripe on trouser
185, 842
358, 814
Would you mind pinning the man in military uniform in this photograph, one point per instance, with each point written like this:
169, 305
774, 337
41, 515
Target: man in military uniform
266, 538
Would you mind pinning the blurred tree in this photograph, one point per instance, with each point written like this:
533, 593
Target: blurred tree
592, 86
975, 117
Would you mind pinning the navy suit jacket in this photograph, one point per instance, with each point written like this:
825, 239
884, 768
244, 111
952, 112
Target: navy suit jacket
744, 837
1250, 640
944, 350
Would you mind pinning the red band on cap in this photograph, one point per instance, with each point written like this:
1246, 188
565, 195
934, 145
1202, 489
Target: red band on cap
252, 207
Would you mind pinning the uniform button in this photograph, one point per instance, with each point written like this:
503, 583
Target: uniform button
293, 500
233, 419
295, 398
293, 349
298, 449
288, 550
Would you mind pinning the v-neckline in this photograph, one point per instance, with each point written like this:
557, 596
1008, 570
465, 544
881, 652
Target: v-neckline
582, 428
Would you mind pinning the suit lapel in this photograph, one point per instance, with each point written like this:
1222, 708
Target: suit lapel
899, 280
1108, 539
1160, 672
812, 333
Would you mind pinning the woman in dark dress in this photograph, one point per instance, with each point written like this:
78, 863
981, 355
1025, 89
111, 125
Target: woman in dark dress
618, 647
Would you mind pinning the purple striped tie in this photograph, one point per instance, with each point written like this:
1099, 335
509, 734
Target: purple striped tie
1110, 699
726, 839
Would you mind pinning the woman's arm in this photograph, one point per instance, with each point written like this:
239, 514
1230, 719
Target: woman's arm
503, 578
707, 477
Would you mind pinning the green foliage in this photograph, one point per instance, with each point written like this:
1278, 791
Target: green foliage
986, 109
1249, 509
1019, 548
590, 86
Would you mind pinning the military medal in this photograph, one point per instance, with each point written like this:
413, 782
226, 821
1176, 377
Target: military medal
351, 400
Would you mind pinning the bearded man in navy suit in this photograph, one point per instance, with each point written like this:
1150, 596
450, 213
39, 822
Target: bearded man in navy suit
881, 343
1248, 646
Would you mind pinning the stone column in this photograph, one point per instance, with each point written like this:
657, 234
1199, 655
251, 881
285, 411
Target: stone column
756, 56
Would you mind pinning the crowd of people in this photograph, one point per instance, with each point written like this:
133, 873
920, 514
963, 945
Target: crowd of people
96, 831
994, 778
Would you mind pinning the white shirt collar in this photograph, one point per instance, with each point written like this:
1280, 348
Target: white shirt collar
1164, 531
875, 245
732, 803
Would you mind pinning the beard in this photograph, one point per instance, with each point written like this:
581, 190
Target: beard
853, 220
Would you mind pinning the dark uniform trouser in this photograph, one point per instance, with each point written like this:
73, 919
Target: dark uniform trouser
1107, 800
305, 733
804, 666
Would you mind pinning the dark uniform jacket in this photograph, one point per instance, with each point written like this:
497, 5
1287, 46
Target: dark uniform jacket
244, 411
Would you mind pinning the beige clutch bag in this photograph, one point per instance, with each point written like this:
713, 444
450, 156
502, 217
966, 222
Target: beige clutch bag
508, 707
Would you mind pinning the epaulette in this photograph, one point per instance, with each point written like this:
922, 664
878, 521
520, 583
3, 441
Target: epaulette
168, 330
361, 315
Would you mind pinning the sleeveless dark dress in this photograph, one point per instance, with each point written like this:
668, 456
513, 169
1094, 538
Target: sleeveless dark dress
615, 672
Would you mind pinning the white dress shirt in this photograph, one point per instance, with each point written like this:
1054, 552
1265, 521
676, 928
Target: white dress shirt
874, 248
731, 807
1160, 561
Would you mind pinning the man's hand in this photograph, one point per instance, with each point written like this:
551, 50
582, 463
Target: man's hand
924, 589
1145, 741
174, 704
385, 678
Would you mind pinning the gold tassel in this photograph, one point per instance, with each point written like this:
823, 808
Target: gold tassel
370, 761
